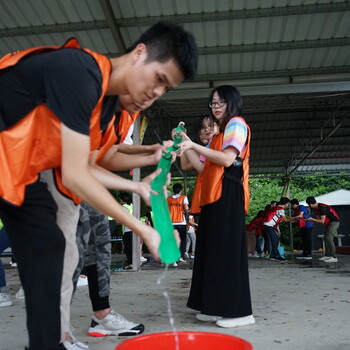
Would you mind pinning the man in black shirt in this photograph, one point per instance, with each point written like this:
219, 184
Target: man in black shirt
327, 216
56, 104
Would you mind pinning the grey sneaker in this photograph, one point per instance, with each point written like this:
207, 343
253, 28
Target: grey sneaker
114, 324
5, 299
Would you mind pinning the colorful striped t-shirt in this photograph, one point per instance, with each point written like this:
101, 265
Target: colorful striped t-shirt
235, 134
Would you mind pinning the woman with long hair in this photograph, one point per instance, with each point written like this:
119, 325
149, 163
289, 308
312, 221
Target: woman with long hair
220, 282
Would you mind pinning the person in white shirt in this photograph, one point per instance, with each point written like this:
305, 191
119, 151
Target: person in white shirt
271, 226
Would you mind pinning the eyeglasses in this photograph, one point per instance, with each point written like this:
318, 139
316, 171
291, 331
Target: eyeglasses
220, 103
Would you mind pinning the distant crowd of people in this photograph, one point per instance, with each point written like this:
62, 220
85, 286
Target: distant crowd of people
267, 222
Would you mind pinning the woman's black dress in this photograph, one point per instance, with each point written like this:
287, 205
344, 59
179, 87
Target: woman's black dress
220, 280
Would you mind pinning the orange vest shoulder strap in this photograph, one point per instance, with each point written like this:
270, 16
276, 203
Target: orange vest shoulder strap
13, 58
211, 187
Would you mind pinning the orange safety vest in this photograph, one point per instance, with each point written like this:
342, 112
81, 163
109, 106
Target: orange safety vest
111, 136
125, 121
34, 143
213, 173
176, 208
195, 202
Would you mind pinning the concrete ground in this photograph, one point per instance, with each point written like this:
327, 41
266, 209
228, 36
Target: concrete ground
297, 305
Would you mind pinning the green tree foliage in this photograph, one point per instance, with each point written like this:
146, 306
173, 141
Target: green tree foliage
265, 189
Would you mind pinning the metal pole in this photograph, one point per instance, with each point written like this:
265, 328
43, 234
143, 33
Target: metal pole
136, 176
286, 192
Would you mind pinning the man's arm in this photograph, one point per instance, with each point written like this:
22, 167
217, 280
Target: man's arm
126, 157
118, 161
79, 177
286, 218
137, 149
320, 219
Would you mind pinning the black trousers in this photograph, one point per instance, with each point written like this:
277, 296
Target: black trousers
127, 240
306, 237
38, 244
220, 280
183, 235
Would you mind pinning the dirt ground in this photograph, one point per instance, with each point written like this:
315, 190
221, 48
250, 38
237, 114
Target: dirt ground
297, 305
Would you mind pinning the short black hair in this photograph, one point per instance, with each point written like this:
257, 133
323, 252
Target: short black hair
267, 207
177, 188
126, 197
167, 40
294, 201
284, 200
311, 200
234, 102
273, 202
260, 214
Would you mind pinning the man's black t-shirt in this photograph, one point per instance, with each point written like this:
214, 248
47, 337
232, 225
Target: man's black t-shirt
324, 210
68, 81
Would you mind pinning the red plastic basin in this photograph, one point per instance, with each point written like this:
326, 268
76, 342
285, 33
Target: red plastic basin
187, 341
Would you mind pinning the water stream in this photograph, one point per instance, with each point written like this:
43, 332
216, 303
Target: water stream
169, 307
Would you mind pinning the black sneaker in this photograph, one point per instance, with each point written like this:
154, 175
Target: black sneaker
279, 258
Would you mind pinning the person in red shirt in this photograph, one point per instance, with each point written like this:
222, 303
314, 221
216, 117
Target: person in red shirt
327, 216
256, 226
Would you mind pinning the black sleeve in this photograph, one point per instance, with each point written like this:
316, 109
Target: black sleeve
72, 84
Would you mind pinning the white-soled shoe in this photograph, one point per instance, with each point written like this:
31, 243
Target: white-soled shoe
235, 322
324, 258
331, 259
207, 318
20, 294
77, 345
5, 299
82, 281
114, 324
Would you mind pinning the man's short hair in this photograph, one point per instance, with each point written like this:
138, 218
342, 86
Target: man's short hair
294, 201
284, 200
125, 197
177, 188
166, 40
311, 200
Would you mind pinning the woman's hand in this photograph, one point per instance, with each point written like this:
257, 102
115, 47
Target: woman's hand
174, 132
168, 143
184, 136
185, 146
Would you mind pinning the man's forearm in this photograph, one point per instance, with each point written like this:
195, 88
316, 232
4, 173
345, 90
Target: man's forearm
122, 161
